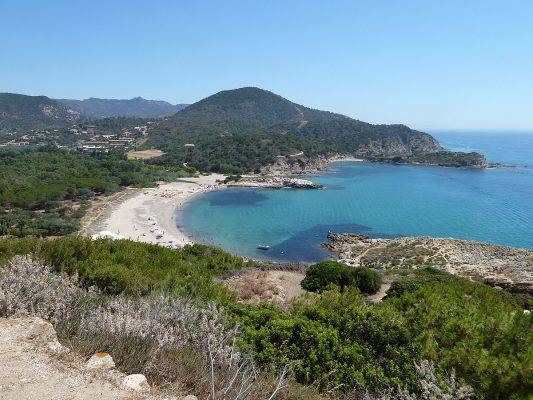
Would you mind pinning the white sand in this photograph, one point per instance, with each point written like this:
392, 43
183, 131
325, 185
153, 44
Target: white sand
150, 215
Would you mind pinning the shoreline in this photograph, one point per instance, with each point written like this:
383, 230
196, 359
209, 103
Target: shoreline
152, 215
149, 215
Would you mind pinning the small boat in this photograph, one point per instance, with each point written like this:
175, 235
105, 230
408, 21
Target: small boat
263, 247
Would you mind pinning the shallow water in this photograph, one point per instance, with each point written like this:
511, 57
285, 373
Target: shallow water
492, 205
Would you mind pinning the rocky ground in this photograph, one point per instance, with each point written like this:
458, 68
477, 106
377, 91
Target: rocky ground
506, 267
275, 182
35, 366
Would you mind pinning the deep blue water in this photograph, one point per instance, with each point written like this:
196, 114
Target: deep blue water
491, 205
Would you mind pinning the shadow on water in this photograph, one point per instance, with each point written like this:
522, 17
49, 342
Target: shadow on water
305, 245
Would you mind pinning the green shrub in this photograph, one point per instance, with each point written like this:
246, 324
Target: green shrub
339, 340
124, 266
482, 333
319, 276
367, 280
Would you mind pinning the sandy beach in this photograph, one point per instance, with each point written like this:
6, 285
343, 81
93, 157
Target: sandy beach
148, 215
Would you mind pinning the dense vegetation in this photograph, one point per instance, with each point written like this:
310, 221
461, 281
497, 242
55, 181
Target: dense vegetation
241, 130
318, 277
22, 113
335, 339
340, 339
136, 107
232, 132
44, 192
441, 158
133, 268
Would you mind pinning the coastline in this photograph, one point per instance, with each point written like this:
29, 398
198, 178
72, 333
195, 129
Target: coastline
506, 267
149, 215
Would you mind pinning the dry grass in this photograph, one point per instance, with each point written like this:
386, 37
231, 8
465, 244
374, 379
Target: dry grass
144, 154
258, 286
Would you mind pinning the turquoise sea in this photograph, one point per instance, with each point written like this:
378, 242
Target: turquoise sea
491, 205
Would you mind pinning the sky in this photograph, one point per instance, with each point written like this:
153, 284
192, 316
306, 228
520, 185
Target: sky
428, 64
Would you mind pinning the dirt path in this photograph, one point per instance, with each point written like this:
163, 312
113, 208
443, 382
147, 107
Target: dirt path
31, 370
377, 297
303, 121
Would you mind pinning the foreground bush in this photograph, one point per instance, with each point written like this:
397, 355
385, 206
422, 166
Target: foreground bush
337, 341
177, 345
29, 288
129, 267
320, 276
482, 333
367, 280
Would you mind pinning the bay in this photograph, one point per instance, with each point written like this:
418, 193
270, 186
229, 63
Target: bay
490, 205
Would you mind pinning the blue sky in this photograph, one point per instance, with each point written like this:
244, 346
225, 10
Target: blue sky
428, 64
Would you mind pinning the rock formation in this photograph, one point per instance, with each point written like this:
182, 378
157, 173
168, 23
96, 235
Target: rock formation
506, 267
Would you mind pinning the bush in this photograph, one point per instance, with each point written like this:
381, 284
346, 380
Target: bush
481, 333
319, 276
366, 280
124, 266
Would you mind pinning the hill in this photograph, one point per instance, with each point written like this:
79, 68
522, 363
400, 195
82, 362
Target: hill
20, 112
244, 129
136, 107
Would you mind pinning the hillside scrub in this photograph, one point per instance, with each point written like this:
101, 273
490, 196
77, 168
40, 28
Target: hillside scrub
340, 339
129, 267
334, 340
175, 343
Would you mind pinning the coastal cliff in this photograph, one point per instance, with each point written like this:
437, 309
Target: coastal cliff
506, 267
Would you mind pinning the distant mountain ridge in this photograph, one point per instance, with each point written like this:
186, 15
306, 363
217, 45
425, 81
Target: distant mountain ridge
136, 107
244, 129
20, 112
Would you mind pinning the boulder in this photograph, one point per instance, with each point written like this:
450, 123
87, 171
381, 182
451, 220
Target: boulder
136, 383
100, 361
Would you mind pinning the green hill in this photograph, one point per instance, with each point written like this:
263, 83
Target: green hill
21, 113
136, 107
243, 129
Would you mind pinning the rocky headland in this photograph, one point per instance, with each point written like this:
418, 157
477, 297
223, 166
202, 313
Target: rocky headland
300, 164
505, 267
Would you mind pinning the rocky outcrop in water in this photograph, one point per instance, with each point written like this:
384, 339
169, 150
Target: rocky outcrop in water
506, 267
275, 182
